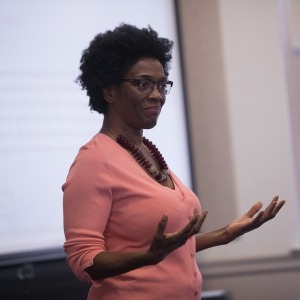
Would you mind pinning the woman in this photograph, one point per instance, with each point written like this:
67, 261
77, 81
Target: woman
131, 226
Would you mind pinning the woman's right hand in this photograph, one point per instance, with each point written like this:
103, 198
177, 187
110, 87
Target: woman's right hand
164, 243
108, 264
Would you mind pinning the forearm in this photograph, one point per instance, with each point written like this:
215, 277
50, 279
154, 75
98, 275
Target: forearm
109, 264
211, 239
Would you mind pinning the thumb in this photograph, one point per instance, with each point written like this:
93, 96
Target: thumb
162, 226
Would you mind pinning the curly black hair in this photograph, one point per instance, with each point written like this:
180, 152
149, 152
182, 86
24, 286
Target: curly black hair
111, 54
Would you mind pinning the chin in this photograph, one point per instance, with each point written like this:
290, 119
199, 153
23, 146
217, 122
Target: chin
150, 125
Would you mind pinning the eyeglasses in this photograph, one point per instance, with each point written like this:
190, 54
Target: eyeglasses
146, 85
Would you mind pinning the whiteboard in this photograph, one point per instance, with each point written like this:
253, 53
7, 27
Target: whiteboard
44, 115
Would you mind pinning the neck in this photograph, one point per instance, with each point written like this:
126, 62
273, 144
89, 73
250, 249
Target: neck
135, 136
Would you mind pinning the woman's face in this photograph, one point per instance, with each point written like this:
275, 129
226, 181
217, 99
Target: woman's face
132, 106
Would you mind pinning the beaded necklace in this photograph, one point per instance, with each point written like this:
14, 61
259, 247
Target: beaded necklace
159, 175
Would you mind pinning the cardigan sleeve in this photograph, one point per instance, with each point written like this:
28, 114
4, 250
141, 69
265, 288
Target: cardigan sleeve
87, 204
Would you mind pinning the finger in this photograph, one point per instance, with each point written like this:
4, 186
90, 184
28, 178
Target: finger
192, 227
162, 226
279, 205
257, 221
271, 211
276, 209
196, 227
254, 209
271, 206
195, 215
258, 205
273, 203
182, 235
201, 219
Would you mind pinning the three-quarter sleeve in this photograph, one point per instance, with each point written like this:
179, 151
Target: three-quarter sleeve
87, 204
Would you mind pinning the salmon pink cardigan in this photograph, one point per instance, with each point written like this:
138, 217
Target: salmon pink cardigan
112, 204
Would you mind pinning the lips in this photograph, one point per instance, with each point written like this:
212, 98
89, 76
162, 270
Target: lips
153, 109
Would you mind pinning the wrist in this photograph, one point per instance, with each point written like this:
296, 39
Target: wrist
228, 236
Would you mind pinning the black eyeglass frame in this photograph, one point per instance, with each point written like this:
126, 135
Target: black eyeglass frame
163, 91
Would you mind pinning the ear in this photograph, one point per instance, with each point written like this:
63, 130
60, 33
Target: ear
109, 94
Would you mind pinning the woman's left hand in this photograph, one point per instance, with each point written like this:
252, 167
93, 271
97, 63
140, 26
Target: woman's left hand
253, 219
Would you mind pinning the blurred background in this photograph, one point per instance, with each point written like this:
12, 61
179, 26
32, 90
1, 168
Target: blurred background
232, 117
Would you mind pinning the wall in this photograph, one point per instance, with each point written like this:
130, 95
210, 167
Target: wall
275, 278
44, 115
242, 139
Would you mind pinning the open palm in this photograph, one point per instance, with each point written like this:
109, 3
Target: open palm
254, 218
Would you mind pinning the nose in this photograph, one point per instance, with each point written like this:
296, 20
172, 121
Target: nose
155, 93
